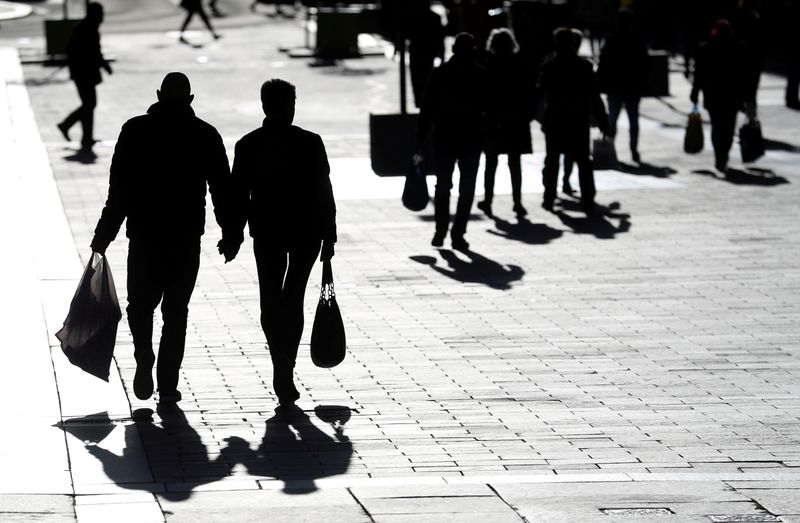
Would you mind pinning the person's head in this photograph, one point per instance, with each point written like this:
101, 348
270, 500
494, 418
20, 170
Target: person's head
94, 12
278, 100
626, 20
175, 88
464, 46
502, 42
567, 41
721, 29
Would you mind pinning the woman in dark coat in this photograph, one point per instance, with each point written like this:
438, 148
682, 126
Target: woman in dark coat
719, 74
507, 117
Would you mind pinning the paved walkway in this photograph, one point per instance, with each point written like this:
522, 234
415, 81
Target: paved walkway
645, 361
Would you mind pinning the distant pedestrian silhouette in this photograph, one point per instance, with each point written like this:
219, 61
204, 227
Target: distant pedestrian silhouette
509, 110
426, 44
719, 74
162, 164
453, 108
749, 29
85, 59
282, 186
567, 83
622, 74
195, 7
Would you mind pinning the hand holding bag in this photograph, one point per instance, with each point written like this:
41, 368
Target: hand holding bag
751, 141
693, 139
415, 190
90, 330
328, 344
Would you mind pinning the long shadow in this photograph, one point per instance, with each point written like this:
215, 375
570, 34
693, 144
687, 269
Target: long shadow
478, 269
600, 224
646, 169
525, 231
473, 217
752, 176
775, 145
81, 156
296, 458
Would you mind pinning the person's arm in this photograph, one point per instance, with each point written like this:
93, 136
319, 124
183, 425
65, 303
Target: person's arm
427, 109
325, 200
115, 209
99, 59
598, 107
230, 197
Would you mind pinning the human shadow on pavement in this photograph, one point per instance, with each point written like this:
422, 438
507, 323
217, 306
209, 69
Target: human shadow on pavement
83, 156
525, 231
473, 217
600, 224
477, 269
751, 176
645, 169
294, 450
775, 145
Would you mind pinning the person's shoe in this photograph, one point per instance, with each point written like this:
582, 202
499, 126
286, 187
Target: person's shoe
143, 381
635, 157
169, 396
459, 243
485, 206
567, 189
438, 239
183, 40
217, 36
519, 210
64, 131
547, 206
721, 166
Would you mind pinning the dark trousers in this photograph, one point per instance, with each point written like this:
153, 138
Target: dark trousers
793, 83
446, 156
283, 273
514, 167
203, 16
87, 91
554, 150
723, 127
420, 66
631, 105
164, 273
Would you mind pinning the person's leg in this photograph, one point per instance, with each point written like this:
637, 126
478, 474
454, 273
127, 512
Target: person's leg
632, 108
490, 169
73, 117
301, 261
206, 21
144, 293
550, 172
180, 264
445, 164
793, 85
586, 179
467, 176
189, 16
88, 94
614, 108
515, 168
723, 125
569, 165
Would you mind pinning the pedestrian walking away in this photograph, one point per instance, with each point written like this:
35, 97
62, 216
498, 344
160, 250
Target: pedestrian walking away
281, 183
622, 75
509, 110
453, 112
567, 83
85, 59
195, 7
162, 165
719, 75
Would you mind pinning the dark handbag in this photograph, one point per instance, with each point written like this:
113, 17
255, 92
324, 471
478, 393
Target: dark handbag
693, 139
415, 190
751, 141
328, 344
604, 156
90, 330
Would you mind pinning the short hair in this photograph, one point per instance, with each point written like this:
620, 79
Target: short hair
567, 40
502, 41
176, 86
277, 94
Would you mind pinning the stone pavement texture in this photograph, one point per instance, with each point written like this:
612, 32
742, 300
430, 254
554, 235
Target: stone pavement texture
639, 366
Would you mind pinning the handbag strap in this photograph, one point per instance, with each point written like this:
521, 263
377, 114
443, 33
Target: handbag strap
326, 291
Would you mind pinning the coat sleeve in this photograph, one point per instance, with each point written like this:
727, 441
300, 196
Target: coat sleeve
429, 103
115, 209
220, 187
324, 190
240, 192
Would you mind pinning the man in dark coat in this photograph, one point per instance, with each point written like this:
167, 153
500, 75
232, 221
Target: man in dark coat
454, 108
567, 83
161, 166
282, 188
85, 59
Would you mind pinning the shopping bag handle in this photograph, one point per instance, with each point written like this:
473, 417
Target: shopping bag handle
327, 272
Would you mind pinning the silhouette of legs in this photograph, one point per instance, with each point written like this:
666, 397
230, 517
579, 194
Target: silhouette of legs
189, 15
85, 114
723, 127
488, 183
569, 164
554, 150
586, 181
282, 277
468, 160
160, 272
793, 85
631, 104
515, 168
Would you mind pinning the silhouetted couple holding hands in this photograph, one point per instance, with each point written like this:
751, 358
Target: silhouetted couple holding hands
163, 163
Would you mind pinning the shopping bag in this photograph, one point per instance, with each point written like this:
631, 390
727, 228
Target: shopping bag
604, 156
415, 190
328, 344
751, 141
693, 138
90, 330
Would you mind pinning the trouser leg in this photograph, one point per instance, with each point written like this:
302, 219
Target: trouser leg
445, 164
586, 180
488, 177
515, 167
632, 108
550, 171
723, 126
301, 261
88, 95
144, 294
614, 108
467, 176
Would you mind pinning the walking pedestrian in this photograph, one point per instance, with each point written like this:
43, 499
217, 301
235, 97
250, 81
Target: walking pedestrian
748, 28
162, 164
195, 7
567, 83
622, 75
509, 110
426, 44
85, 59
719, 72
453, 111
281, 181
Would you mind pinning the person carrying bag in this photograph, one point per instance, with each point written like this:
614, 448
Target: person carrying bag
328, 342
